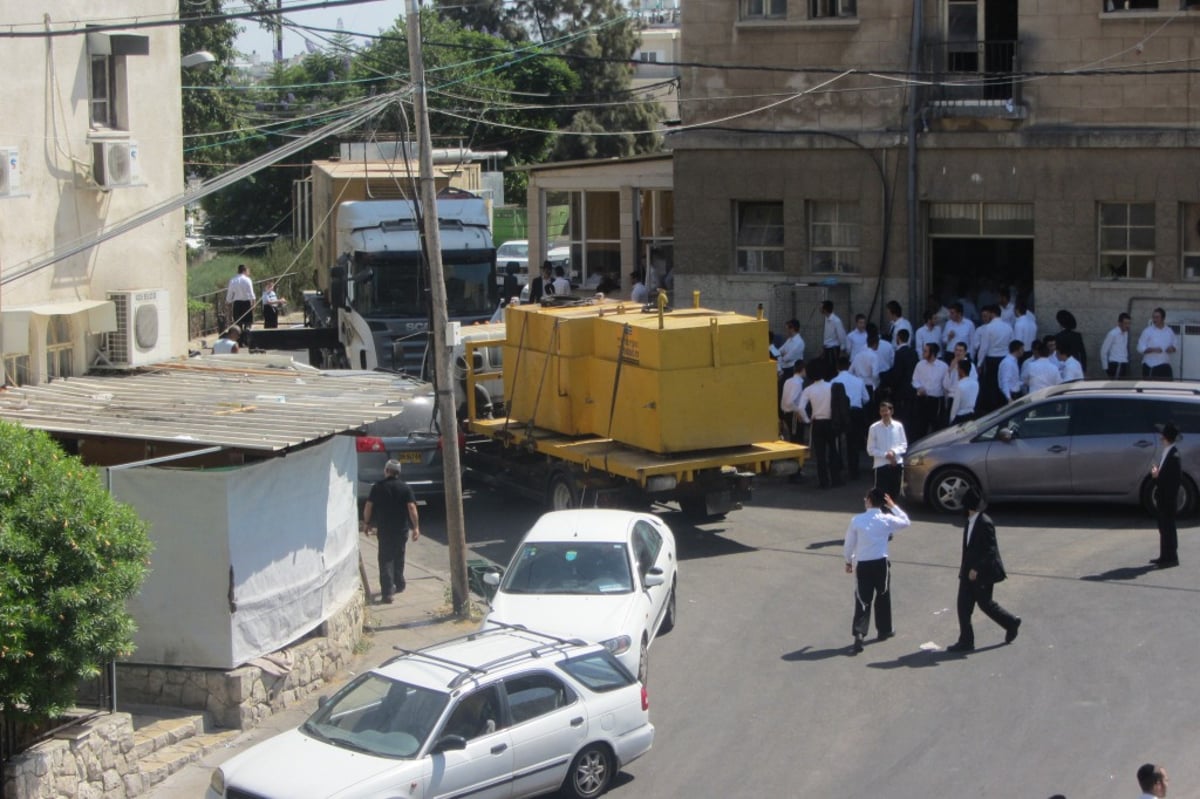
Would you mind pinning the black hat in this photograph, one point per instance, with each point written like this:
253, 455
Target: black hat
972, 499
1066, 319
1169, 431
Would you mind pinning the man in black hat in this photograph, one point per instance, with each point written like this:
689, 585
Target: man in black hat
1166, 474
980, 571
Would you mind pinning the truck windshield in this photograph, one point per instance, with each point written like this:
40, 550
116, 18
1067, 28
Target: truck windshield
394, 286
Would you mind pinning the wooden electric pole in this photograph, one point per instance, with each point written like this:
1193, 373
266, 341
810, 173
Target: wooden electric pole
443, 371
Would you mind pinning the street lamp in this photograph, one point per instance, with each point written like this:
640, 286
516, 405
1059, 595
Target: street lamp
200, 60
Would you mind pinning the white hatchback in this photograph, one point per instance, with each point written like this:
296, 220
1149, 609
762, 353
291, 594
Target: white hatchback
499, 713
602, 575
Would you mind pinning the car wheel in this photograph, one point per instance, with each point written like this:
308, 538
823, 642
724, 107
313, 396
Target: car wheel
561, 493
643, 673
668, 622
1186, 503
590, 774
946, 488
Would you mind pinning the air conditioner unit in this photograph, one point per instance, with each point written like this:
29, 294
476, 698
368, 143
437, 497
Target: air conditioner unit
143, 334
115, 164
10, 171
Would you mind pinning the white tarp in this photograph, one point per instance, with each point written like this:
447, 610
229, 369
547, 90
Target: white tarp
246, 559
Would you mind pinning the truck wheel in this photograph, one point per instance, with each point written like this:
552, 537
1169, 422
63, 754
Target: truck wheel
561, 493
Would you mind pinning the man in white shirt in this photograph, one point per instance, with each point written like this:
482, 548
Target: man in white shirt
1155, 345
1008, 308
928, 381
855, 435
824, 444
865, 365
965, 395
562, 286
1069, 368
896, 315
1040, 371
1009, 376
833, 336
991, 340
792, 349
638, 294
885, 355
928, 333
789, 402
1025, 328
856, 339
957, 330
866, 554
240, 296
886, 444
1114, 352
1152, 780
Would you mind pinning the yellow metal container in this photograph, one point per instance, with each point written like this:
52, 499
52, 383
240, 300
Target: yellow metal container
682, 410
688, 339
549, 391
564, 331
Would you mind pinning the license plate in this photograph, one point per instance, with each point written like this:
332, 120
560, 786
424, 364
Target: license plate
409, 457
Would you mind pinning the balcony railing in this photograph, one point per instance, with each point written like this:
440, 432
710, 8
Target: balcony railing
974, 73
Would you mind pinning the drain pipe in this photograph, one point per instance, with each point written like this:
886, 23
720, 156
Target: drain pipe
915, 274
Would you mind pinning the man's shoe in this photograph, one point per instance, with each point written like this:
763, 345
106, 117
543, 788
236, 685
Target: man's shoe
1167, 564
388, 599
960, 647
858, 645
885, 636
1156, 561
1011, 634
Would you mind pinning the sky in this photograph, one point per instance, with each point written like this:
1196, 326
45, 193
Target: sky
367, 17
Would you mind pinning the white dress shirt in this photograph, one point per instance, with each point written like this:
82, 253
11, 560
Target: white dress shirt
856, 389
931, 376
901, 324
954, 332
856, 340
927, 335
789, 400
966, 392
1025, 328
1069, 369
791, 351
866, 366
1009, 313
868, 534
1155, 337
1009, 377
992, 340
240, 289
562, 287
819, 396
834, 333
1115, 348
884, 438
886, 355
1039, 373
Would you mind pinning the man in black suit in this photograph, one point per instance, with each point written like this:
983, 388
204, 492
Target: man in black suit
902, 374
980, 571
1167, 476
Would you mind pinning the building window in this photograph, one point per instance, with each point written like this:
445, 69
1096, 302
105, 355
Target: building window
820, 9
104, 91
648, 56
764, 9
759, 237
1190, 247
16, 370
108, 54
1136, 5
1126, 240
60, 351
834, 236
583, 234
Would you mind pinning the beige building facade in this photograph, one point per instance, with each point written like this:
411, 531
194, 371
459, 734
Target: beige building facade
91, 138
926, 151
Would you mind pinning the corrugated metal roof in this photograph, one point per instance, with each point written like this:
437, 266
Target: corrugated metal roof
241, 402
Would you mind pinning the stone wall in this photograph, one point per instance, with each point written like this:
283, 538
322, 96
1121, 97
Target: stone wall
93, 760
243, 697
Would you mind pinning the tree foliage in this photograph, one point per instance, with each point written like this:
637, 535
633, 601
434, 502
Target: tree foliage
207, 108
70, 557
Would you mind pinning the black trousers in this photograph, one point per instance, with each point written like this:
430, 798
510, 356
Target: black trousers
1161, 372
391, 562
856, 441
887, 478
977, 592
825, 450
872, 584
1168, 535
243, 317
990, 397
1117, 371
927, 417
270, 317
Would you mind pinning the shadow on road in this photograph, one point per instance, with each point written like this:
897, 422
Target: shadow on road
1122, 573
922, 659
833, 542
810, 655
692, 543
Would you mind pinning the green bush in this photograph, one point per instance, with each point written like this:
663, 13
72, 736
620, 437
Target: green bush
70, 557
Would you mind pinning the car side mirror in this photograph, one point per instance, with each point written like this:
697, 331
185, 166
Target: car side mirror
653, 577
322, 700
1006, 434
450, 743
491, 578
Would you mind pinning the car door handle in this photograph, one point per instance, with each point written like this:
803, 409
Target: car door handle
499, 748
1057, 448
1143, 444
577, 721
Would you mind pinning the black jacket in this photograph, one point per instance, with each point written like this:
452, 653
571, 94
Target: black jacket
982, 554
1167, 483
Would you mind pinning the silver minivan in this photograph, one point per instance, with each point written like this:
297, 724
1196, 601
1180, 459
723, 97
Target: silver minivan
1081, 441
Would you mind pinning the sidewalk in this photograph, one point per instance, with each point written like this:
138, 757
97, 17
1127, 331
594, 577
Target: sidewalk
419, 617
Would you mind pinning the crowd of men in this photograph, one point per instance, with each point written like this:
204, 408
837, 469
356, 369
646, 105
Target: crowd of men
947, 371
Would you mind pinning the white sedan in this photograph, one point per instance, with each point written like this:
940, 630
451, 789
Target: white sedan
608, 576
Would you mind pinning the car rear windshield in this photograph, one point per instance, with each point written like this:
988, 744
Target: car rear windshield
569, 567
599, 671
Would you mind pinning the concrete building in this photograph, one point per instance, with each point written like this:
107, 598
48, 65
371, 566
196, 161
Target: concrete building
931, 149
90, 138
656, 74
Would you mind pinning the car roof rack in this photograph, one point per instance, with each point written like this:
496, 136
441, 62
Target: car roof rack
1139, 387
466, 670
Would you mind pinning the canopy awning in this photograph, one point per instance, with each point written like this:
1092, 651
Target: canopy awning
100, 317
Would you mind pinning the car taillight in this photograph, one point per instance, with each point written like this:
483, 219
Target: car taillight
368, 444
645, 698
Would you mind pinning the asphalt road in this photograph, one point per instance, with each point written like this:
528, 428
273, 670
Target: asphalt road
755, 692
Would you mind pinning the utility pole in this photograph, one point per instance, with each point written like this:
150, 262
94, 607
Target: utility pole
456, 534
